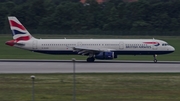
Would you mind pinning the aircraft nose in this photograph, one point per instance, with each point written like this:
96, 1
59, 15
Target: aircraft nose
172, 48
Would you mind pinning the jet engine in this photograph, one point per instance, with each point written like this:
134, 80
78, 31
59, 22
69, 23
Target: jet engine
105, 55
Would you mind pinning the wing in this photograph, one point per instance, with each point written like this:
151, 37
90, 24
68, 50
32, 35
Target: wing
88, 50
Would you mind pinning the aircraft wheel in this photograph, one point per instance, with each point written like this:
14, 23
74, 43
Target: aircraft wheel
155, 60
91, 59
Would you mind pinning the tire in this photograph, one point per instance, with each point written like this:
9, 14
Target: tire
155, 60
90, 59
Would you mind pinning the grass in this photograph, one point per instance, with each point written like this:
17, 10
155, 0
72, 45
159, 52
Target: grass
91, 87
7, 52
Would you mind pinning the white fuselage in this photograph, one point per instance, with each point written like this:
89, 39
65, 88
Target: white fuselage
118, 46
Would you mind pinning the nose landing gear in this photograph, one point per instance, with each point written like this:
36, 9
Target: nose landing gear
155, 60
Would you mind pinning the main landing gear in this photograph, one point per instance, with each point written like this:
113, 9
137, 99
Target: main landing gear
155, 60
90, 59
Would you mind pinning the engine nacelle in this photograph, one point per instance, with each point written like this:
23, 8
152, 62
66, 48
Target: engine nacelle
105, 55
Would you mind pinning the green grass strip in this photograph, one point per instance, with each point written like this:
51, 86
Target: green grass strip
92, 87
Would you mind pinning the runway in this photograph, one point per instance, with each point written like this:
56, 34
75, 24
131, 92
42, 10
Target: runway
81, 66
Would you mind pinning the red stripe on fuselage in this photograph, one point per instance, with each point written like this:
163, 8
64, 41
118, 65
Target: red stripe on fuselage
15, 24
150, 42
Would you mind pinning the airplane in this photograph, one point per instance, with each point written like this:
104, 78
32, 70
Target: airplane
103, 49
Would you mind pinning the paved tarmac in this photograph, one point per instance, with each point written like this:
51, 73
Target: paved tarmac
66, 66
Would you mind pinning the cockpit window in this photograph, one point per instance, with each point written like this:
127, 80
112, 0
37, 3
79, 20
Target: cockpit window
165, 44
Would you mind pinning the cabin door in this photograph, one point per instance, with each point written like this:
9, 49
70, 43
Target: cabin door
155, 46
121, 45
34, 44
79, 44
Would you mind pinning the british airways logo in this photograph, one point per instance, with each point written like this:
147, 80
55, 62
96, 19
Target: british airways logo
15, 32
152, 43
145, 45
15, 24
21, 27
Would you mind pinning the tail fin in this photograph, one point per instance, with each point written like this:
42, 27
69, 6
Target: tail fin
19, 32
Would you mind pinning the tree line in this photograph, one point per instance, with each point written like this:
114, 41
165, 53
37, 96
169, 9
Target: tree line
112, 15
